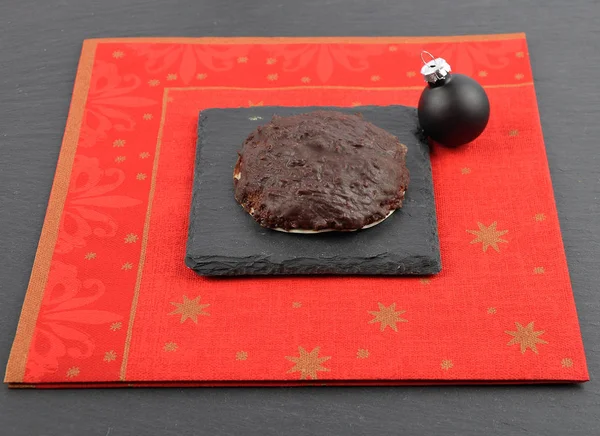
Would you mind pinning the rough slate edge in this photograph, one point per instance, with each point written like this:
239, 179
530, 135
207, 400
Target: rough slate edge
210, 265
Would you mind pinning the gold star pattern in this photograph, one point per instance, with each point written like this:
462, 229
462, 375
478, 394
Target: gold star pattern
491, 310
201, 76
118, 54
154, 82
148, 117
526, 337
539, 217
241, 355
189, 309
116, 326
127, 266
424, 281
392, 48
296, 304
362, 353
73, 372
375, 78
170, 347
387, 316
308, 364
119, 143
411, 74
446, 364
170, 100
120, 159
482, 74
140, 176
260, 103
489, 236
566, 362
519, 76
131, 238
110, 356
171, 76
272, 77
90, 256
539, 270
144, 155
465, 170
305, 79
513, 132
242, 60
271, 61
520, 54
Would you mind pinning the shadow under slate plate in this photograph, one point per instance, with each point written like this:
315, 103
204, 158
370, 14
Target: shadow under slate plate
224, 240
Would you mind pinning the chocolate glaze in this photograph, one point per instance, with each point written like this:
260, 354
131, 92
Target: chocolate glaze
321, 170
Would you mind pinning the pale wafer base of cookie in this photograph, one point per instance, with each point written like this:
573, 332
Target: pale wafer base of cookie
314, 232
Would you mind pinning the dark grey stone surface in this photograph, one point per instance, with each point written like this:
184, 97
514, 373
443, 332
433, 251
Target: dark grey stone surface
225, 240
39, 48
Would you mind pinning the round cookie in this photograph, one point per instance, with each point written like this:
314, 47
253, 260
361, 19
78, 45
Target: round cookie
320, 171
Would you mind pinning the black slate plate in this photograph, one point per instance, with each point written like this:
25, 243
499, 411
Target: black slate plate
224, 240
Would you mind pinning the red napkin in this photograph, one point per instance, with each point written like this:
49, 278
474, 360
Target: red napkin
111, 302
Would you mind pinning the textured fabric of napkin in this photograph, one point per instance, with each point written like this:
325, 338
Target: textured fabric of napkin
111, 303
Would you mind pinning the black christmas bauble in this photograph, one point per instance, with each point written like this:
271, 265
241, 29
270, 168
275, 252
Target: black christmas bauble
453, 110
